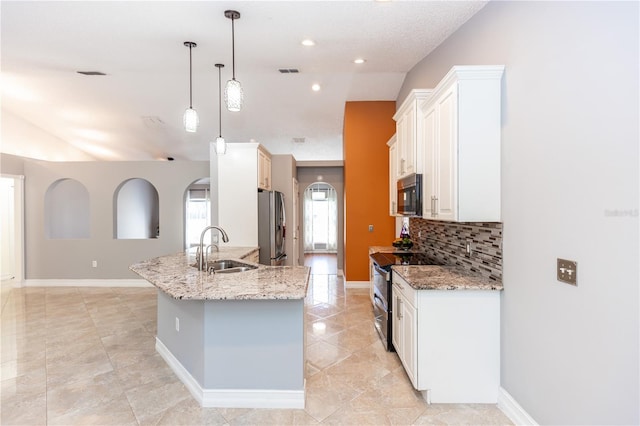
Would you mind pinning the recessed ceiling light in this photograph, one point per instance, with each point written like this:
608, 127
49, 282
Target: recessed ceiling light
308, 42
315, 87
359, 61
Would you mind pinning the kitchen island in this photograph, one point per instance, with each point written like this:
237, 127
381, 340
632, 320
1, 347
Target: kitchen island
235, 339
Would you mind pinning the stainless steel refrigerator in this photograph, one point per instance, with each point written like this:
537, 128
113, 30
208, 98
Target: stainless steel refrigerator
271, 228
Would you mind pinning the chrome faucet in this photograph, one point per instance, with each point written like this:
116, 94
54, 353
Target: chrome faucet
201, 255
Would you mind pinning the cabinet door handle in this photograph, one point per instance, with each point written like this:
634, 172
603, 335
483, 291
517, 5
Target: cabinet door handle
435, 206
399, 316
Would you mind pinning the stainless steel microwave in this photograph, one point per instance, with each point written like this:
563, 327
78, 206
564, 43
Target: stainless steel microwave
410, 195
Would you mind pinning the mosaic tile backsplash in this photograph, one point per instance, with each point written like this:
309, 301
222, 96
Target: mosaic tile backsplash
446, 244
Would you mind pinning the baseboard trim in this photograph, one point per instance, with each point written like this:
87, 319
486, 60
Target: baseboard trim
357, 284
231, 398
513, 410
86, 283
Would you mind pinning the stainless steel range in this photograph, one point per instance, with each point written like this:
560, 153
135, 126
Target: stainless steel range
382, 263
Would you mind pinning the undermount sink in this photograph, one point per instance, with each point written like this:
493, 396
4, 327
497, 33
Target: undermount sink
228, 267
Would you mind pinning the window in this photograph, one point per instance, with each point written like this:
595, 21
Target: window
320, 219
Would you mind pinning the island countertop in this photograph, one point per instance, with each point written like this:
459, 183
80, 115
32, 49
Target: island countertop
175, 276
436, 277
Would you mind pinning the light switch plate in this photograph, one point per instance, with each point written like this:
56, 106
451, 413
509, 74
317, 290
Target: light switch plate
567, 271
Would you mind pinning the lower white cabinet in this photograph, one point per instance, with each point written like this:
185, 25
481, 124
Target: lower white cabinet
448, 342
404, 333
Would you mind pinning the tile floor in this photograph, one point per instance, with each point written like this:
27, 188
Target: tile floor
86, 356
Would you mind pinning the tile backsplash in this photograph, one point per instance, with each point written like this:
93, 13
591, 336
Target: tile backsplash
446, 244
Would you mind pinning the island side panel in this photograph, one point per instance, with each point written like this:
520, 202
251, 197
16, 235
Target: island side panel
187, 344
254, 344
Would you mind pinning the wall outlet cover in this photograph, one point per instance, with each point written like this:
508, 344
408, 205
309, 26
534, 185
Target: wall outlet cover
567, 271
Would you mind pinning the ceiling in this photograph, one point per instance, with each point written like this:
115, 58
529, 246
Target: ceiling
49, 111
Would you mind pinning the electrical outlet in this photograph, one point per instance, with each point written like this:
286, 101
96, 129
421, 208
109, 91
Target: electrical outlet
177, 324
370, 228
567, 271
94, 263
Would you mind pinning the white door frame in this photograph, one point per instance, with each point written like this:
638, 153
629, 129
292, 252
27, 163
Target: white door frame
18, 217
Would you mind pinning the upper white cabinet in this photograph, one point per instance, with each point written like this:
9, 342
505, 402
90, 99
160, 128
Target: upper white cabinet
393, 159
460, 125
408, 130
264, 168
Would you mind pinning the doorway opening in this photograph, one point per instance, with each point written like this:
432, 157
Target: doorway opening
320, 217
197, 211
11, 234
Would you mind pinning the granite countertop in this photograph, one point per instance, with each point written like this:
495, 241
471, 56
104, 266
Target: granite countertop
435, 277
382, 249
174, 275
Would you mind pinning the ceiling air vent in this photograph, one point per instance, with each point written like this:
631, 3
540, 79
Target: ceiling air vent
288, 70
298, 140
90, 73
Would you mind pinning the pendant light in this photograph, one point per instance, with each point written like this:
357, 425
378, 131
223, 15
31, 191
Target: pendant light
221, 145
190, 115
233, 90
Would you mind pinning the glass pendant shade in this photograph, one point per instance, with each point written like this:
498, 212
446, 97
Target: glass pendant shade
233, 95
221, 146
191, 120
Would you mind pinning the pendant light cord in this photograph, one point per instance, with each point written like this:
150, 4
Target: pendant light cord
190, 80
233, 49
220, 99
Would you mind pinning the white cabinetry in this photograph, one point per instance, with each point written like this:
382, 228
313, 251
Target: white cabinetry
393, 156
239, 171
408, 130
460, 125
264, 169
404, 328
448, 341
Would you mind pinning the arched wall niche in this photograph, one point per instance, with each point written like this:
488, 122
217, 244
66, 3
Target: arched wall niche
137, 210
66, 210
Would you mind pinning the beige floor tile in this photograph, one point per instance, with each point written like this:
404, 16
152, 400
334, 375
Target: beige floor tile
31, 410
87, 356
274, 417
150, 399
152, 371
323, 310
323, 354
188, 412
98, 400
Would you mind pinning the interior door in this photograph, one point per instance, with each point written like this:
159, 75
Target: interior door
295, 227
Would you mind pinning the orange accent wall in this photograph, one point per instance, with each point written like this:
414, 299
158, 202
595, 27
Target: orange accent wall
368, 126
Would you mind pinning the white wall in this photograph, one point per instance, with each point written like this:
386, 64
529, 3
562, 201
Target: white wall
72, 258
569, 163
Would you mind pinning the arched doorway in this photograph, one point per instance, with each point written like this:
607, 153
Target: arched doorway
320, 219
197, 211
